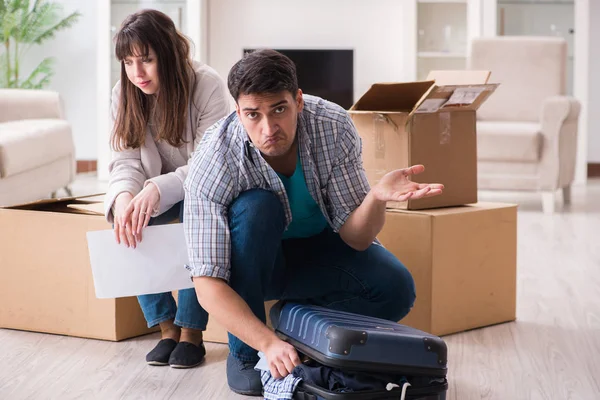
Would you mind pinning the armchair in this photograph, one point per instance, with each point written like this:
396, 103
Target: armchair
37, 154
526, 131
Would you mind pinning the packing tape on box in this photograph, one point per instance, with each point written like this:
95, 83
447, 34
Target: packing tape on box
445, 127
379, 121
385, 118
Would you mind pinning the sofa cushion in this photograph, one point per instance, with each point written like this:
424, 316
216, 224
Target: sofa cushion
529, 70
29, 144
509, 141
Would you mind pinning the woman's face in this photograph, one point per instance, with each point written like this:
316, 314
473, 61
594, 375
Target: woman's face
142, 71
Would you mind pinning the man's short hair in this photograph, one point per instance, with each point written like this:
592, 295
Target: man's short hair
262, 71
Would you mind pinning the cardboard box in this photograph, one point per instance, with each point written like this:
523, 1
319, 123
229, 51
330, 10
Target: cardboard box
47, 283
463, 260
404, 124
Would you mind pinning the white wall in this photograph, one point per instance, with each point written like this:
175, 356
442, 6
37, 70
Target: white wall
594, 83
373, 29
581, 88
74, 50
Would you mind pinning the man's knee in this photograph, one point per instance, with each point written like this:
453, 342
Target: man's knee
399, 290
256, 211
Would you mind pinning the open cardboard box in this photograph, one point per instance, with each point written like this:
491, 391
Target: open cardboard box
47, 283
429, 123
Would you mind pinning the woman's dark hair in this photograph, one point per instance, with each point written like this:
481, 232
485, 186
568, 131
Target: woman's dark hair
262, 71
140, 32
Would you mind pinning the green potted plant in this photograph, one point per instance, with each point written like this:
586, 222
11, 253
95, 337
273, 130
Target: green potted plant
22, 25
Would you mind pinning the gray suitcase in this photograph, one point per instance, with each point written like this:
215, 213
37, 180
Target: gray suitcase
363, 345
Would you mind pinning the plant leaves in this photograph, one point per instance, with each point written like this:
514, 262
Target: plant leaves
25, 23
50, 32
40, 76
3, 81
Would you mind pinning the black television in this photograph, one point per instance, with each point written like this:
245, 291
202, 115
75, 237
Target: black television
325, 73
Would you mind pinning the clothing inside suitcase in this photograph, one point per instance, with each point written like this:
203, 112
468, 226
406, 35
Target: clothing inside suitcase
373, 386
303, 325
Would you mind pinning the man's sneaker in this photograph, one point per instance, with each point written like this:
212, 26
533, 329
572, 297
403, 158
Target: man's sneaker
242, 378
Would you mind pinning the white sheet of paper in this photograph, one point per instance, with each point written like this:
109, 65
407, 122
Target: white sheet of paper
263, 363
156, 265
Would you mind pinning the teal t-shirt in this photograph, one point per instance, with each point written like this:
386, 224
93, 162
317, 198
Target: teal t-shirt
307, 218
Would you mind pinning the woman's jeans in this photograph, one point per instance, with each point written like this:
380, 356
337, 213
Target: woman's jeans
161, 307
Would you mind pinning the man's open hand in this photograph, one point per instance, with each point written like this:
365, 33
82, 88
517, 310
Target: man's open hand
397, 186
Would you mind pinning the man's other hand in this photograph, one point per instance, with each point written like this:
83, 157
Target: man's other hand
282, 358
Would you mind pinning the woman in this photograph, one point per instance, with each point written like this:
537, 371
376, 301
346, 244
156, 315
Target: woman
160, 109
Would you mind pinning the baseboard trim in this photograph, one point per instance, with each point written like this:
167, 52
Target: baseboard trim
593, 170
84, 166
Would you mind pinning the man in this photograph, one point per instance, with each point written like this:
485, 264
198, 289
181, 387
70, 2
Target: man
277, 206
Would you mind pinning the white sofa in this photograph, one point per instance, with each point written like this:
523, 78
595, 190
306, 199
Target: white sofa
527, 130
37, 153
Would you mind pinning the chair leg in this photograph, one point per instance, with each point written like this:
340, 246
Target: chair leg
548, 202
69, 191
566, 192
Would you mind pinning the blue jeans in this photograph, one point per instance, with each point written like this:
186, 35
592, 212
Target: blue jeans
161, 307
321, 270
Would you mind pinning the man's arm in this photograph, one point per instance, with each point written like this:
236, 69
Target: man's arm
209, 190
231, 311
360, 211
365, 223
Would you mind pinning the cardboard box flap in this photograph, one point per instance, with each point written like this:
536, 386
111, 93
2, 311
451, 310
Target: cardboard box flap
460, 77
63, 204
434, 212
392, 97
91, 208
455, 97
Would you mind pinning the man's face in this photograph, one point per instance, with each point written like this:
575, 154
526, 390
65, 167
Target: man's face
271, 120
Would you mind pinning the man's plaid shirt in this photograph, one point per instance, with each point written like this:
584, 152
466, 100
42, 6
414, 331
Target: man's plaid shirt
227, 164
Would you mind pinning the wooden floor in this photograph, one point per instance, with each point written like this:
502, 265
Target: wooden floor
551, 352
